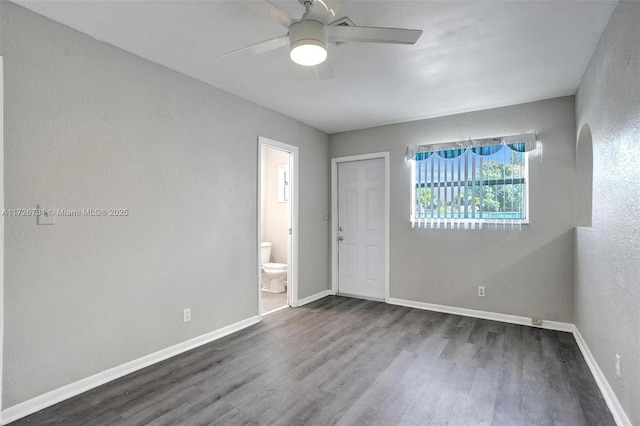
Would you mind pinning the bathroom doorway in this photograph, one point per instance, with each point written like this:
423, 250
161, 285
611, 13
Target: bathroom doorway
277, 226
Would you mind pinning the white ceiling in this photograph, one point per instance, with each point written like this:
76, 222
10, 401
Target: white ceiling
472, 55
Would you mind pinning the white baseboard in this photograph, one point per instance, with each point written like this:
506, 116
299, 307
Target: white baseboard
55, 396
314, 297
513, 319
607, 392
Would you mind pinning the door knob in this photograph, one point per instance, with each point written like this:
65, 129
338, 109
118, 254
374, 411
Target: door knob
340, 238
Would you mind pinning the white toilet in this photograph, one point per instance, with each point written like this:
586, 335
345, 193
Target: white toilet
274, 275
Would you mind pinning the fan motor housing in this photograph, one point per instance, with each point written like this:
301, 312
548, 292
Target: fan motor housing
307, 32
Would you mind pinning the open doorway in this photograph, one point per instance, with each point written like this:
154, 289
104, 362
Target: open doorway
276, 227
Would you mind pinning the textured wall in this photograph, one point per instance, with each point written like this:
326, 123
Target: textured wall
90, 126
608, 254
527, 272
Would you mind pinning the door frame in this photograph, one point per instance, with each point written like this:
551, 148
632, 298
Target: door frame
1, 233
334, 215
292, 250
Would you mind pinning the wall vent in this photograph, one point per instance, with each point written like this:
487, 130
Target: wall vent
344, 22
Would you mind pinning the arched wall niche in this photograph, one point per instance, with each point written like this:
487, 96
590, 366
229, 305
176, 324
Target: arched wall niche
584, 177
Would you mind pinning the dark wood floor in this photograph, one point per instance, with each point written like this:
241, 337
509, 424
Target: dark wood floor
354, 362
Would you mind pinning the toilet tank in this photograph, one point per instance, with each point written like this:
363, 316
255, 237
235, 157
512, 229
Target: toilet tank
265, 252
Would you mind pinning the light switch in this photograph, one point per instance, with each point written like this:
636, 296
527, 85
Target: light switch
46, 216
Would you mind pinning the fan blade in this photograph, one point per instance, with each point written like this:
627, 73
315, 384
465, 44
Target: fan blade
333, 5
339, 34
264, 8
324, 11
262, 47
324, 71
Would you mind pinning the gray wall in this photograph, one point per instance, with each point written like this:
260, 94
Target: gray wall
527, 272
90, 126
607, 296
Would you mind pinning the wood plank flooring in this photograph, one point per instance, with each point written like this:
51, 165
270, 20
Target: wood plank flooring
354, 362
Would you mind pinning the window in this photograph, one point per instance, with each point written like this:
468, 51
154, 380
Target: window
481, 185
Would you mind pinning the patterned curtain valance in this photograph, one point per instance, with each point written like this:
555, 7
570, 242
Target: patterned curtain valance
488, 146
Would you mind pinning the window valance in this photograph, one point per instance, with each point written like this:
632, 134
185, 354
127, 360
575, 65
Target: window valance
488, 146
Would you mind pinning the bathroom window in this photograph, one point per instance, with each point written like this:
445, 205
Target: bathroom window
471, 187
283, 184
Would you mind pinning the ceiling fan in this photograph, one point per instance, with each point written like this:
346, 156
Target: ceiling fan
308, 36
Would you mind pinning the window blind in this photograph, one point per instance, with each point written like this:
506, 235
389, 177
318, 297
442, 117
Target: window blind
471, 184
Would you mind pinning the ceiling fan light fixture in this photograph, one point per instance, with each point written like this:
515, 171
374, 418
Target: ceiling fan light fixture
308, 52
308, 43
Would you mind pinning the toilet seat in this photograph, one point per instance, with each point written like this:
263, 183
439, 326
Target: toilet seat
274, 266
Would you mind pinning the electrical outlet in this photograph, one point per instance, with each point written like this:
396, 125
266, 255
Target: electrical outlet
536, 321
186, 315
481, 292
618, 359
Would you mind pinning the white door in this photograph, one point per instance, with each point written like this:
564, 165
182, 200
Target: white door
361, 227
